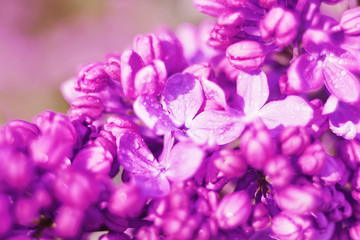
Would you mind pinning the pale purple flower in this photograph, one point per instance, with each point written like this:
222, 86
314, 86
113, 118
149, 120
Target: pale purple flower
178, 163
183, 97
253, 89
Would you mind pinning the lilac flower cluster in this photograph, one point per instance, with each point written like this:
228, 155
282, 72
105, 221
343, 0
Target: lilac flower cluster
256, 137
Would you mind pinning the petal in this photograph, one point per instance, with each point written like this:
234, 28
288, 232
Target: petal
210, 7
130, 64
344, 58
184, 160
341, 83
345, 121
153, 186
214, 92
183, 96
150, 80
304, 74
292, 111
136, 157
68, 91
254, 90
330, 105
214, 126
150, 111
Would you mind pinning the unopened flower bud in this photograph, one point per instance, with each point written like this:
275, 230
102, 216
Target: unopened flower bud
148, 47
150, 80
130, 64
115, 236
350, 21
246, 55
260, 217
26, 211
92, 78
112, 67
233, 210
211, 7
355, 231
56, 124
119, 125
229, 23
95, 157
6, 220
280, 24
289, 226
334, 171
75, 188
267, 3
256, 145
68, 221
294, 140
201, 70
126, 201
349, 150
279, 170
298, 200
313, 159
230, 162
86, 107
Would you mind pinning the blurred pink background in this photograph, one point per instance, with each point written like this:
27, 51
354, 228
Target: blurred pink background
44, 42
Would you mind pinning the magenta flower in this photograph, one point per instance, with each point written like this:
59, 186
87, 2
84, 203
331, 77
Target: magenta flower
183, 97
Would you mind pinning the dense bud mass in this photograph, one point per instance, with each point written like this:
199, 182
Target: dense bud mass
257, 139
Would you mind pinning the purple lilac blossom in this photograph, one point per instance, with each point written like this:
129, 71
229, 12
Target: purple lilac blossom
172, 139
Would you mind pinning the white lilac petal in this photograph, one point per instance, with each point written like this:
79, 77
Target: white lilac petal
184, 160
215, 127
291, 111
254, 90
183, 96
341, 83
151, 112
